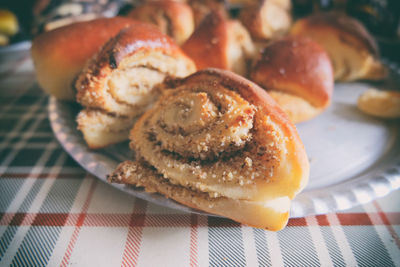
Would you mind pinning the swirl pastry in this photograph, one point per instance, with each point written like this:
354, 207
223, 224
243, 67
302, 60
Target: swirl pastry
218, 143
172, 18
353, 51
70, 47
220, 43
119, 83
298, 74
267, 19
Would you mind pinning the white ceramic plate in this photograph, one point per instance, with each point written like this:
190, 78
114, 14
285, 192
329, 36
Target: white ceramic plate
354, 158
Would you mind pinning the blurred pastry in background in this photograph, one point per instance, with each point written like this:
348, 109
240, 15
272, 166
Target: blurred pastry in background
352, 49
381, 17
201, 8
298, 74
172, 18
59, 55
119, 83
380, 103
220, 43
8, 26
267, 19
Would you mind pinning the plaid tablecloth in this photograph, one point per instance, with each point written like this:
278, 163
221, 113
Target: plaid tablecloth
53, 213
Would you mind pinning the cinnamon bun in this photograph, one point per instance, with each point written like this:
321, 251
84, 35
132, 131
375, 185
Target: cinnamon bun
217, 142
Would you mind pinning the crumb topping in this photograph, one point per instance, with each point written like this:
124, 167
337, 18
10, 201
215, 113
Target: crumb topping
205, 138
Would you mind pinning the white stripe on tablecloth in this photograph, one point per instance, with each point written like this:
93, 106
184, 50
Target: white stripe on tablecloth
274, 249
28, 183
16, 115
22, 143
165, 246
36, 145
24, 135
203, 257
319, 242
383, 233
67, 231
36, 203
249, 245
100, 246
341, 240
16, 202
30, 171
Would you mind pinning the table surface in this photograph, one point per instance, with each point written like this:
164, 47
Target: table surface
54, 213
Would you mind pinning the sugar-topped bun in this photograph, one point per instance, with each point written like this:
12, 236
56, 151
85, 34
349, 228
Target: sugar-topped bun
217, 142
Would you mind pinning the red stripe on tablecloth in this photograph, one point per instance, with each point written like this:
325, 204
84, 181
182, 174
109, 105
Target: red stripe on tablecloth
17, 219
169, 220
345, 219
388, 224
107, 220
193, 240
352, 219
166, 220
322, 220
134, 238
42, 175
79, 223
50, 219
297, 222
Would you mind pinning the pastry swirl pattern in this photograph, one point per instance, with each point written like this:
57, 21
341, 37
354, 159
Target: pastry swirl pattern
219, 138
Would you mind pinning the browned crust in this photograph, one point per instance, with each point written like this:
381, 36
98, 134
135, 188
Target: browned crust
79, 41
251, 17
344, 23
178, 17
201, 8
59, 55
297, 66
207, 45
141, 37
